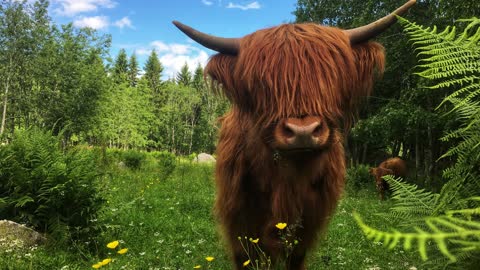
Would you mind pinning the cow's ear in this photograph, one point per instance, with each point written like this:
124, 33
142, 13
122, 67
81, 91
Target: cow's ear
220, 70
370, 64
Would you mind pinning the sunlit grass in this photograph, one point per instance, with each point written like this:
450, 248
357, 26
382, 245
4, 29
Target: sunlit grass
166, 222
345, 248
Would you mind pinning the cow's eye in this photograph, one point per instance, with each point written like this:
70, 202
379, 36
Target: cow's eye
318, 130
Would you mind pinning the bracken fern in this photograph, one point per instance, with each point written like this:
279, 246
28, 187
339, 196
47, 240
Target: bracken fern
50, 190
449, 221
411, 203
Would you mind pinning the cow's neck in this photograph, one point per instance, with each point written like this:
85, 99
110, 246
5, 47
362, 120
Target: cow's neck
291, 184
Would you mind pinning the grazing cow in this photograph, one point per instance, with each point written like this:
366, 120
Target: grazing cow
392, 166
280, 156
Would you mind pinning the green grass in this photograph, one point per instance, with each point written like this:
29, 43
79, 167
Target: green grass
166, 222
345, 247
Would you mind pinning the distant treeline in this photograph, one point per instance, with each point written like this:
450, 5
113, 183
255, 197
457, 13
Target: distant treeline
61, 78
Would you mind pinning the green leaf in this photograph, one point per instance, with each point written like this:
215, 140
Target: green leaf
21, 202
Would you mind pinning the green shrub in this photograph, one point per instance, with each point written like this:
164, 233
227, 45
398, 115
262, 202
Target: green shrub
133, 159
166, 161
114, 155
52, 191
358, 178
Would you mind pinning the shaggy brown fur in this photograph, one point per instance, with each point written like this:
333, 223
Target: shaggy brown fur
392, 166
284, 73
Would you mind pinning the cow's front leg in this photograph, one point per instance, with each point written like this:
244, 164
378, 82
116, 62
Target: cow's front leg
296, 261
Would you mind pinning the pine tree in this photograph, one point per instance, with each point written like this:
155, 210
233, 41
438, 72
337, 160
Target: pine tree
184, 77
120, 69
153, 72
133, 70
198, 82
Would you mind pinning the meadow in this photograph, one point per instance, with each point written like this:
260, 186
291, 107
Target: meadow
163, 215
158, 212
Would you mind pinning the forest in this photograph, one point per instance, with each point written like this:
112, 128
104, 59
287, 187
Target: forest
97, 151
62, 79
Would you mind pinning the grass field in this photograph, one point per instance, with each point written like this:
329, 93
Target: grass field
166, 222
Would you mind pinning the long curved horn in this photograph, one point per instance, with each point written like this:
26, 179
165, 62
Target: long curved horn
219, 44
366, 32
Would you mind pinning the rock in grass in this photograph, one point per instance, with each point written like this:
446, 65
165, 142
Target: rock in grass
204, 158
14, 235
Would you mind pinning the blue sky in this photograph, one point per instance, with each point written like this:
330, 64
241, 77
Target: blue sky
142, 25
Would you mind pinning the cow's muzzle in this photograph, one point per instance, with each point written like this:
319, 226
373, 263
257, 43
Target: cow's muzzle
301, 134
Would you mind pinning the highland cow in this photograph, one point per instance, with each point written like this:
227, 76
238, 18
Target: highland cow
294, 89
392, 166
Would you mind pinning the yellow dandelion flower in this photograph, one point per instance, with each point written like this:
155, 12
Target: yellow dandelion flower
113, 244
105, 261
255, 241
246, 263
122, 251
209, 259
197, 267
96, 266
281, 226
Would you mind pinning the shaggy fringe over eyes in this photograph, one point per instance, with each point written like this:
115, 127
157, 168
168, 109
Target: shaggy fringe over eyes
297, 69
218, 73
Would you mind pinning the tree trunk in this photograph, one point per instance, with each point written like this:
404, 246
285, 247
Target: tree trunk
429, 148
364, 153
191, 136
417, 154
5, 102
173, 140
429, 157
396, 148
355, 154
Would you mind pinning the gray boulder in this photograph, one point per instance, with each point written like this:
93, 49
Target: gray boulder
14, 235
204, 158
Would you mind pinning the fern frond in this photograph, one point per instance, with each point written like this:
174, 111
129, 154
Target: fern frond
453, 59
447, 220
409, 200
24, 200
442, 231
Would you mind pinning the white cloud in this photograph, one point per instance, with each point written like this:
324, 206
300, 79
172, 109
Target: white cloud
253, 5
159, 46
95, 22
140, 51
174, 55
206, 2
123, 22
175, 48
180, 48
73, 7
173, 63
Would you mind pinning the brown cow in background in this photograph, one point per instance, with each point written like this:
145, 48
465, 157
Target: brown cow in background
392, 166
280, 153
